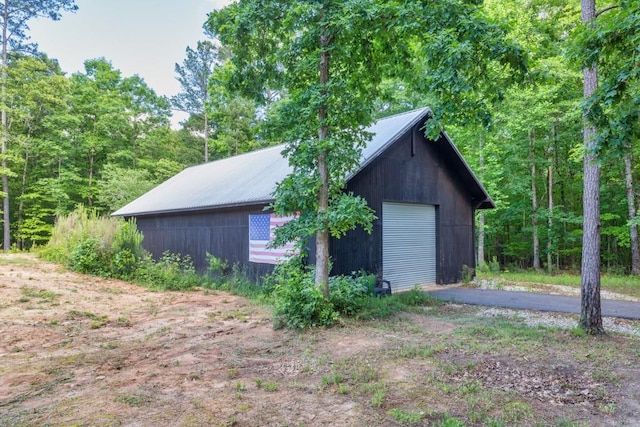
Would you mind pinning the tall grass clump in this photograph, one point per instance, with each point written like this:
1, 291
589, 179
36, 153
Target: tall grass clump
112, 247
79, 232
235, 280
127, 250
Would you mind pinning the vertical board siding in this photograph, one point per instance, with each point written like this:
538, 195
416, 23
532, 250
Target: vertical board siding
223, 233
421, 176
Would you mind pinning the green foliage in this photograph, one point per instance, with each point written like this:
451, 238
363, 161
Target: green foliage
217, 268
80, 226
406, 417
235, 280
127, 251
467, 274
172, 272
298, 302
91, 244
121, 185
89, 256
347, 293
610, 42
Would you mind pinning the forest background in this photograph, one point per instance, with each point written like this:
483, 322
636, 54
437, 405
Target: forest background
101, 139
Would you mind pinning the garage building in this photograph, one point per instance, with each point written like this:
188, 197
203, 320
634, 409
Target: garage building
424, 194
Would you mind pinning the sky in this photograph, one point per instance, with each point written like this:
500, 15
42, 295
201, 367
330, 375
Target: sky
143, 37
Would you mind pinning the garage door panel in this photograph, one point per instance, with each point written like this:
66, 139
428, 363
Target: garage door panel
409, 244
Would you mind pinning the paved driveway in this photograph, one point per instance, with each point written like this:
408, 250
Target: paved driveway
534, 301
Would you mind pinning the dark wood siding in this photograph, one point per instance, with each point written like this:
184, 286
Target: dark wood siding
411, 171
223, 233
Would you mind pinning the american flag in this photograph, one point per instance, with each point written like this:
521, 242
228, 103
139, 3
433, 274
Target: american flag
261, 232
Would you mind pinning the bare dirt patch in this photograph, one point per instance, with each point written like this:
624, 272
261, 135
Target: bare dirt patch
80, 350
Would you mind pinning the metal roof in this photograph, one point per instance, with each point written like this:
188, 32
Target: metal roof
251, 178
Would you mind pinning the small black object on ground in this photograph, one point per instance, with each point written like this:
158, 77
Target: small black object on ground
383, 288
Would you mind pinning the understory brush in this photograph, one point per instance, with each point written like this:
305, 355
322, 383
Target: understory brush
112, 247
299, 303
235, 280
172, 272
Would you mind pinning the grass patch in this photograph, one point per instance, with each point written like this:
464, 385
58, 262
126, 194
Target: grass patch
405, 416
626, 285
240, 315
16, 260
270, 386
379, 394
415, 351
373, 308
133, 400
38, 293
97, 321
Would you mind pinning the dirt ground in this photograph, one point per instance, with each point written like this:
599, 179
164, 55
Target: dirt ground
79, 350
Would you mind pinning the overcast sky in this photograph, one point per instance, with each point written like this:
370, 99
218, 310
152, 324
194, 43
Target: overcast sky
144, 37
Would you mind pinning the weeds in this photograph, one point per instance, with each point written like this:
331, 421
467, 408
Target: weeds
110, 247
406, 417
413, 351
38, 293
270, 386
232, 373
134, 400
379, 395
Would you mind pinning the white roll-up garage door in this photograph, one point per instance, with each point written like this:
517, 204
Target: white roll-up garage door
408, 244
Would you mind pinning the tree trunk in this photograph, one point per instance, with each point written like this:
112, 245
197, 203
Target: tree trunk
91, 160
633, 228
6, 242
534, 204
481, 225
22, 190
550, 219
322, 234
590, 313
206, 135
481, 219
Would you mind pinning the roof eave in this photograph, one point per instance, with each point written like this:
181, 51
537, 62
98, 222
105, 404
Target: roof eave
194, 209
488, 202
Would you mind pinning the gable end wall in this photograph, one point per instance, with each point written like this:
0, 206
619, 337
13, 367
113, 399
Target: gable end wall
398, 175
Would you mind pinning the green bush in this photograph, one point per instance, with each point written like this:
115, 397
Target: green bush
494, 265
346, 293
217, 269
467, 274
73, 229
171, 272
298, 302
483, 267
127, 251
90, 244
124, 264
89, 256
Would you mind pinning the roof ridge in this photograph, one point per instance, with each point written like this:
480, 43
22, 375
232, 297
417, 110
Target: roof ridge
257, 150
270, 147
403, 113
